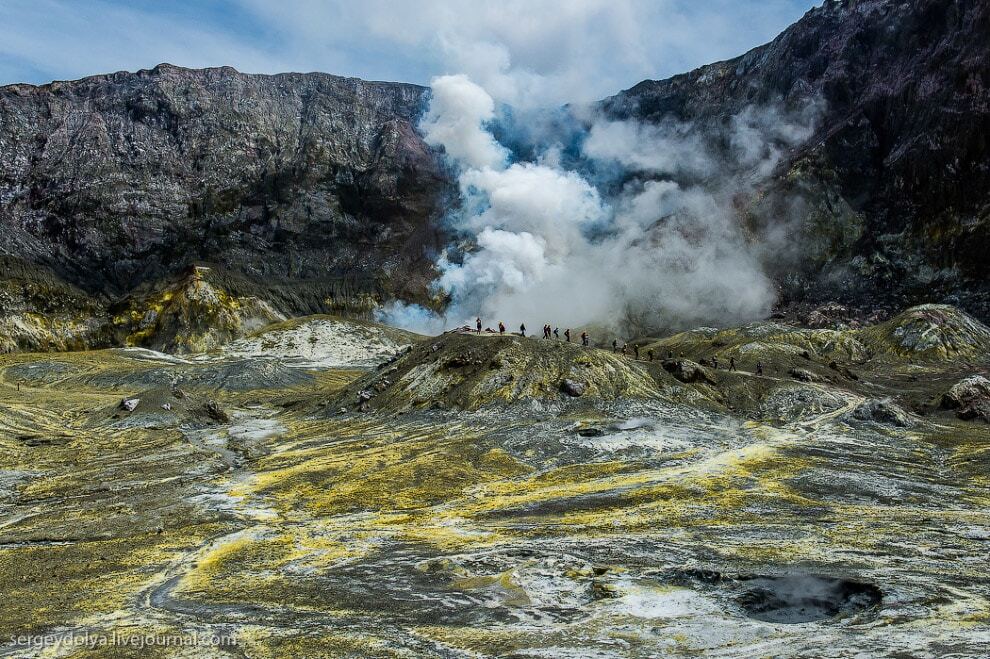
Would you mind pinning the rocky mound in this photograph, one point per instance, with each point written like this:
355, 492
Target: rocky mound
780, 349
471, 372
193, 314
164, 407
324, 342
929, 331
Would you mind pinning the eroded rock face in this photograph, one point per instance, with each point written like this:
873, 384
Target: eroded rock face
312, 190
891, 190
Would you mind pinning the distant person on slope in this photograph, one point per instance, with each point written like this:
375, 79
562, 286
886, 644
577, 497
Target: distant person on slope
567, 334
501, 327
556, 332
615, 345
522, 329
584, 338
478, 323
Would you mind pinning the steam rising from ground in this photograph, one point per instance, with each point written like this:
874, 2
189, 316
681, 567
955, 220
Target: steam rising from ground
663, 248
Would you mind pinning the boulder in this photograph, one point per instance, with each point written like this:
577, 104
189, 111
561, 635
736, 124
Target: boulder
573, 388
803, 375
883, 412
214, 411
970, 398
687, 371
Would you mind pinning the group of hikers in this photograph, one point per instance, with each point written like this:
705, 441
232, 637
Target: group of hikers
550, 332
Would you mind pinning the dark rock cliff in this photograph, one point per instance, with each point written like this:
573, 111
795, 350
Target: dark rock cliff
312, 190
894, 187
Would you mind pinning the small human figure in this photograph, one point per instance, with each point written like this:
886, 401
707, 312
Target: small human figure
567, 334
584, 338
624, 346
615, 345
759, 368
556, 332
478, 324
715, 362
649, 354
501, 327
522, 329
732, 363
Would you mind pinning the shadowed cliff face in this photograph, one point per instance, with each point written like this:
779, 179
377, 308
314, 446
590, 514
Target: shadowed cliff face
313, 181
889, 197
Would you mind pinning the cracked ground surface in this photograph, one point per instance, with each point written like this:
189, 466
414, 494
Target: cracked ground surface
685, 524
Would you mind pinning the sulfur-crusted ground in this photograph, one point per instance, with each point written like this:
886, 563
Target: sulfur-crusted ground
460, 500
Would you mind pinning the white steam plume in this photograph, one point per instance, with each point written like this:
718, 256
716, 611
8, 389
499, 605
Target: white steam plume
458, 113
666, 251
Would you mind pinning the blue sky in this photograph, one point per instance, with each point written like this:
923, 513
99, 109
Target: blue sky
536, 51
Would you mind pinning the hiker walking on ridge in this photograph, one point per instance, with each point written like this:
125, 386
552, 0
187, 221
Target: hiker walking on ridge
478, 323
567, 334
501, 327
556, 332
615, 345
732, 363
522, 330
584, 339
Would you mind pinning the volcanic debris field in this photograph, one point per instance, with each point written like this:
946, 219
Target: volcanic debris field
329, 488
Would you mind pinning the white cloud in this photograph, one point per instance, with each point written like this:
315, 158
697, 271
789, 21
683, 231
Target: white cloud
524, 52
